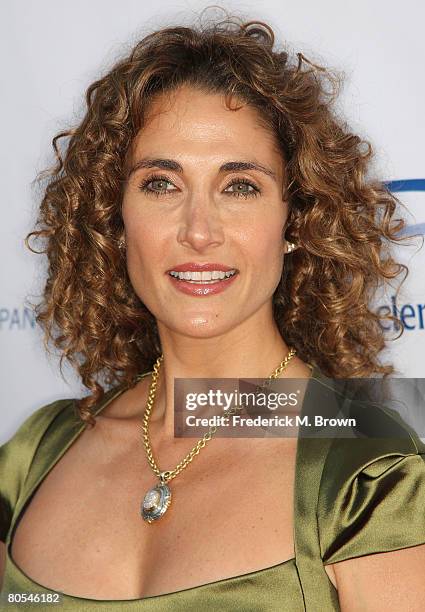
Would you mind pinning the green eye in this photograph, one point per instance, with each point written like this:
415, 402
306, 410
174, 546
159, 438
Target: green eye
162, 180
243, 188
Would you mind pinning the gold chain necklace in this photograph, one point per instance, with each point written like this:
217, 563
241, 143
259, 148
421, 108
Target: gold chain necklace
157, 500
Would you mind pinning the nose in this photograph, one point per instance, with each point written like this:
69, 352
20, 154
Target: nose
200, 227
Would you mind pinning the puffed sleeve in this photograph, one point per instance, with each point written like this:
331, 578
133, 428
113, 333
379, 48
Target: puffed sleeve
372, 497
16, 456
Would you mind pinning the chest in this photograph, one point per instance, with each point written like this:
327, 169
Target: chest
231, 513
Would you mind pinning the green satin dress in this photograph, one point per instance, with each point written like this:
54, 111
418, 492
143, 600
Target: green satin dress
353, 497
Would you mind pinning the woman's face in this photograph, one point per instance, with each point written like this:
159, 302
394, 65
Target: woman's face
194, 197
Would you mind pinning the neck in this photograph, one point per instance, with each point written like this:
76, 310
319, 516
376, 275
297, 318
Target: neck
242, 352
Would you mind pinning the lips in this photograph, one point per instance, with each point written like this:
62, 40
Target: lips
186, 278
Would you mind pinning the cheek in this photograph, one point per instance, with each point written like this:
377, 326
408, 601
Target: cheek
145, 242
265, 243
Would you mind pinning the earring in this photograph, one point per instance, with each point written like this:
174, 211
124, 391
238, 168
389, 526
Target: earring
121, 244
290, 246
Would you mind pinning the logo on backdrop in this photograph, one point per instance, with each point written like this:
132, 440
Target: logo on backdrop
21, 318
412, 315
405, 186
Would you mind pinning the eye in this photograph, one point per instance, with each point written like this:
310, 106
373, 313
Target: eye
243, 188
160, 181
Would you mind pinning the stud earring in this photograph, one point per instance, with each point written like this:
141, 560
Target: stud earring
290, 246
121, 244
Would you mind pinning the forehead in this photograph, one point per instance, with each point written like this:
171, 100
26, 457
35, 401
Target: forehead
190, 117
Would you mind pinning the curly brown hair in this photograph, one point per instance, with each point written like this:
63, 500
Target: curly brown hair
342, 220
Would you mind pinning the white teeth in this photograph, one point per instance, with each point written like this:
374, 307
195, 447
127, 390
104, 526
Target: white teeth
210, 276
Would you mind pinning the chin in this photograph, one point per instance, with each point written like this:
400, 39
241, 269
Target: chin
200, 326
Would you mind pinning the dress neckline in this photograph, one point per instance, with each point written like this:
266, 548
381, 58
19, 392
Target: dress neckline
110, 396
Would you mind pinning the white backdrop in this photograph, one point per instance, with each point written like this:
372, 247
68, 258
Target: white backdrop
51, 50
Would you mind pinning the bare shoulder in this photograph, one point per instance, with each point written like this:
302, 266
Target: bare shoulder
391, 580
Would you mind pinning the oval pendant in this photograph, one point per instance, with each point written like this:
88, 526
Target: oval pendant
156, 502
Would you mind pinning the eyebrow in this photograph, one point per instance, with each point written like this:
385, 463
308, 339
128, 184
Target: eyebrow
171, 164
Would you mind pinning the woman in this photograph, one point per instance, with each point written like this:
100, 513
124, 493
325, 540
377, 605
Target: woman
210, 218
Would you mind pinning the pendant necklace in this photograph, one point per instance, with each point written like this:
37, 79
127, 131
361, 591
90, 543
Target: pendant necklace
158, 499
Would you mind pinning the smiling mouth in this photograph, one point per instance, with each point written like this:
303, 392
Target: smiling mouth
203, 278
